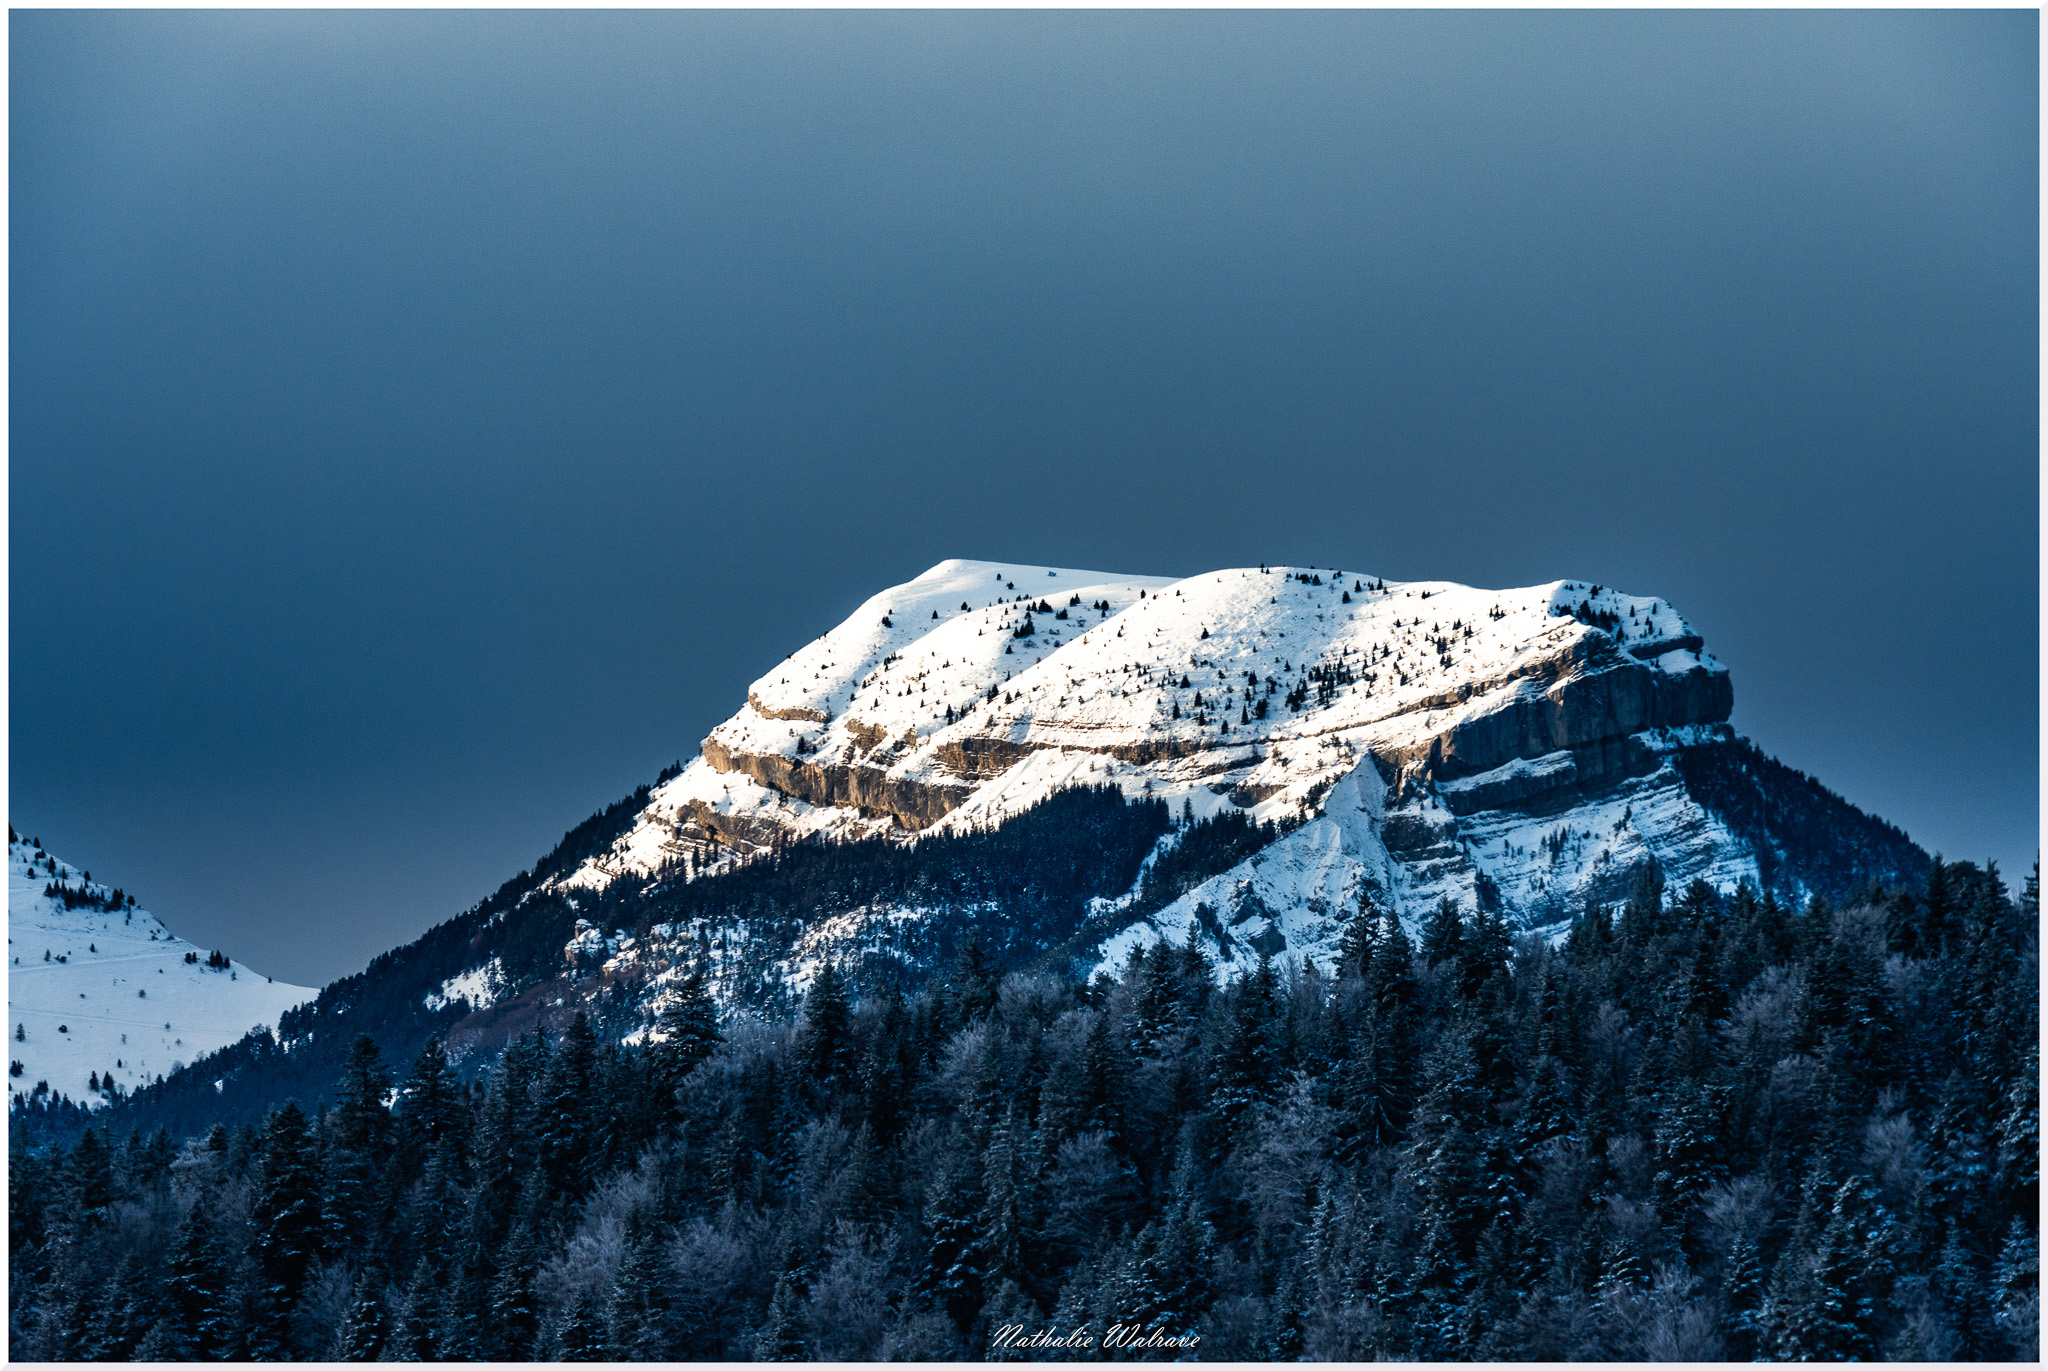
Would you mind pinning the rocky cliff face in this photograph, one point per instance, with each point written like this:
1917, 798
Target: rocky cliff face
903, 714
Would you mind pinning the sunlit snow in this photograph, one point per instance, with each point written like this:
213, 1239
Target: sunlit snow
1290, 693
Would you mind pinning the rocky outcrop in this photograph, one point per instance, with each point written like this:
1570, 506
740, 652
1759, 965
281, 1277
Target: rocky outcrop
1517, 783
866, 737
726, 830
1552, 782
794, 713
914, 804
1165, 750
1649, 652
977, 759
1587, 698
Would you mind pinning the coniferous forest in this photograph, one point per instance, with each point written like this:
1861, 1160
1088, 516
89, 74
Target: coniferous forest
1698, 1127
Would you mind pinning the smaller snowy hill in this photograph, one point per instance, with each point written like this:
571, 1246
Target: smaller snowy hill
101, 997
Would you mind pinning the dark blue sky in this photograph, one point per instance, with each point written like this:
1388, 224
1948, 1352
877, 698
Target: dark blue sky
425, 424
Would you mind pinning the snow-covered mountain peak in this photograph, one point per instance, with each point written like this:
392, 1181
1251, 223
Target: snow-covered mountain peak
942, 615
1067, 766
1464, 728
101, 997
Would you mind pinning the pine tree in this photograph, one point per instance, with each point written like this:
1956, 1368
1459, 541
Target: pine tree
1959, 1170
438, 1207
1432, 1324
1282, 1337
956, 1259
1742, 1293
1481, 954
1003, 1201
515, 1314
463, 1329
289, 1231
364, 1330
134, 1300
1009, 1307
1179, 1265
639, 1307
782, 1335
428, 1116
1103, 1076
1246, 1064
92, 1177
505, 1149
1451, 1121
2016, 1289
2016, 1174
825, 1042
201, 1323
1076, 1308
1122, 1293
1547, 1109
1960, 1287
1442, 934
582, 1335
865, 1202
1160, 1009
971, 983
1354, 951
1689, 1153
159, 1344
566, 1124
358, 1135
887, 1065
689, 1029
360, 1119
1826, 1310
1377, 1082
74, 1310
1490, 1306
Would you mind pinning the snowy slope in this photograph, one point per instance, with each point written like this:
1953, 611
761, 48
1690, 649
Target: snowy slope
104, 989
872, 689
1432, 741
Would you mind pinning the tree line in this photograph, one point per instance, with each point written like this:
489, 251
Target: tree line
1697, 1127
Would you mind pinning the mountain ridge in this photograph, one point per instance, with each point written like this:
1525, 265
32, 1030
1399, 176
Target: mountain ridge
1309, 739
1520, 752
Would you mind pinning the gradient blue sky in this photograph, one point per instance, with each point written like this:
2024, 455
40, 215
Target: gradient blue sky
424, 425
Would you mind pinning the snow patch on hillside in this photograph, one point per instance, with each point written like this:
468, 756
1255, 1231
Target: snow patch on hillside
1290, 900
479, 986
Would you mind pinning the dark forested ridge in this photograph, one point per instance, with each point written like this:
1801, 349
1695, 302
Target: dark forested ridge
1698, 1127
1794, 824
1039, 869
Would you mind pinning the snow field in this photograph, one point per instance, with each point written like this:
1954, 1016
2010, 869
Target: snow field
93, 991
